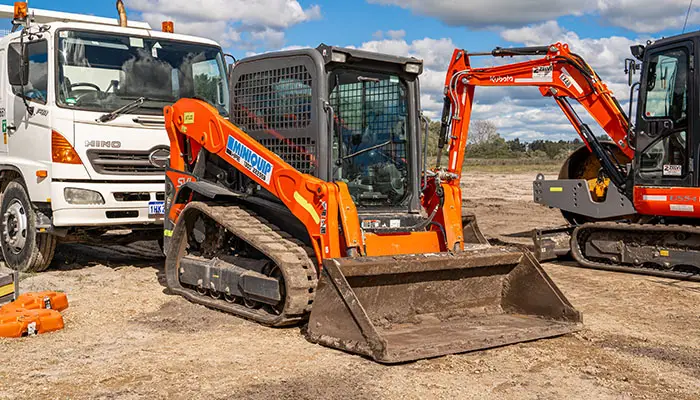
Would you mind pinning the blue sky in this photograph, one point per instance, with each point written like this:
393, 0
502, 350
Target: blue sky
601, 31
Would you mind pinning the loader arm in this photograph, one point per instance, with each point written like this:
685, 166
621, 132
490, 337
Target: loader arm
193, 124
559, 74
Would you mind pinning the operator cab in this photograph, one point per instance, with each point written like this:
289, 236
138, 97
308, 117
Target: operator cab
667, 116
342, 115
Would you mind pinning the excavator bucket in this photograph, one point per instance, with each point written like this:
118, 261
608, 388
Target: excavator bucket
403, 308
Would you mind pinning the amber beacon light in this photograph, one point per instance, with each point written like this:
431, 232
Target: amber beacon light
168, 27
20, 10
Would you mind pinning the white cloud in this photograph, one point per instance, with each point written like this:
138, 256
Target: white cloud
398, 34
481, 14
244, 24
647, 16
517, 111
643, 16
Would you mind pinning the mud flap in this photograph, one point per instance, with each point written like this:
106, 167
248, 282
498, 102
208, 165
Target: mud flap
403, 308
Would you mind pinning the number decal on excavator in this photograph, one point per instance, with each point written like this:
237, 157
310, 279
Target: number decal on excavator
249, 159
188, 118
324, 213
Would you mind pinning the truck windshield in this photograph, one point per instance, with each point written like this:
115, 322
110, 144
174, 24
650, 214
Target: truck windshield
102, 72
370, 145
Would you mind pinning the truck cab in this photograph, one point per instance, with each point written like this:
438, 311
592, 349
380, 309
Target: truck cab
81, 107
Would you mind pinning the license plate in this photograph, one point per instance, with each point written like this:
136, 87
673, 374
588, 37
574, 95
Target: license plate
156, 208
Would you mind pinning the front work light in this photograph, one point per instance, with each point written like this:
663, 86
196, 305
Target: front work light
412, 68
339, 57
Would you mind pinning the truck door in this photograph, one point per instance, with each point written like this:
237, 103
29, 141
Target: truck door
3, 100
665, 124
29, 134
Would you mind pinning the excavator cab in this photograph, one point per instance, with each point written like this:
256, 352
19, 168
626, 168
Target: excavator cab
310, 203
665, 121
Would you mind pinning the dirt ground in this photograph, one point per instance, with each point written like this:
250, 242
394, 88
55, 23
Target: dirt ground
125, 338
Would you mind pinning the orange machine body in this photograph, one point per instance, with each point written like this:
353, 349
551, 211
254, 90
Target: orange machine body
325, 208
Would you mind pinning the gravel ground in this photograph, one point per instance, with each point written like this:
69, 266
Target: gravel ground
125, 338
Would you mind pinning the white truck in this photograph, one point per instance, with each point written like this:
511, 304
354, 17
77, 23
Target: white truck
81, 102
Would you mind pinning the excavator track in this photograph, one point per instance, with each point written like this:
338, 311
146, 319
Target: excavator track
669, 251
288, 255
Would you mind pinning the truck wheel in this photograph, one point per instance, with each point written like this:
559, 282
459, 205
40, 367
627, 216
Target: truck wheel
23, 248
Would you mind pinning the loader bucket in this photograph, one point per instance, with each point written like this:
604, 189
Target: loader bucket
403, 308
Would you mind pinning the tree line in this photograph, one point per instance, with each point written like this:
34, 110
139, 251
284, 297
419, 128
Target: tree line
485, 142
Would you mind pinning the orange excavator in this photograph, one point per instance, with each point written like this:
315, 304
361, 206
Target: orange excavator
305, 199
633, 202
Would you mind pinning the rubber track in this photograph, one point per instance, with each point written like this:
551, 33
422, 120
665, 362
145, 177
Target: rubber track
290, 255
634, 229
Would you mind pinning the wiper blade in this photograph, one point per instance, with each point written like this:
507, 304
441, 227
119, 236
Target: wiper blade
122, 110
357, 153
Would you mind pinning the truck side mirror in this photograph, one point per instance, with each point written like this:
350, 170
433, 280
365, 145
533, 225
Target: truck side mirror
18, 64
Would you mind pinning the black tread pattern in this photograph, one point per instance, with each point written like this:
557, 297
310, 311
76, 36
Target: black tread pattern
582, 234
295, 260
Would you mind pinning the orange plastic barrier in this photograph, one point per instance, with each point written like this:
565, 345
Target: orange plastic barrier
37, 300
20, 323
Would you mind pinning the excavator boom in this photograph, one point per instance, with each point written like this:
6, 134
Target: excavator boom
559, 74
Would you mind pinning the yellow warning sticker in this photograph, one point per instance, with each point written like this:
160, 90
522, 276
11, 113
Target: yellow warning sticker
189, 118
664, 253
167, 233
556, 189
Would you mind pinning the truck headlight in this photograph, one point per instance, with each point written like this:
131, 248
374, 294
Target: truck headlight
82, 196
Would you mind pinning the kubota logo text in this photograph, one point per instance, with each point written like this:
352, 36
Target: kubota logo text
502, 79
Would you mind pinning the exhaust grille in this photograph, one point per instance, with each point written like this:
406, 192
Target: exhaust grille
297, 152
119, 162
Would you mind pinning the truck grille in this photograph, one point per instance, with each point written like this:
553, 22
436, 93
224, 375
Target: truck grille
118, 162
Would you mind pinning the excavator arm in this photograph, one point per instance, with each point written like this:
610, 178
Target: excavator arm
558, 73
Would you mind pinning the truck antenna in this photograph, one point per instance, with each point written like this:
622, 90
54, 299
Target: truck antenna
687, 14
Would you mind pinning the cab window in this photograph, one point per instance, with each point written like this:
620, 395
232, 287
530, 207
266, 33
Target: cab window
37, 87
667, 98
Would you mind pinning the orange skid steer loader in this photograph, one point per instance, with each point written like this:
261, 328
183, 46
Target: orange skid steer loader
305, 199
